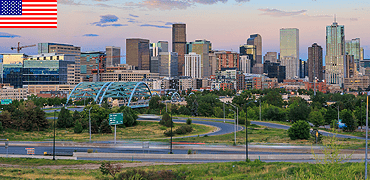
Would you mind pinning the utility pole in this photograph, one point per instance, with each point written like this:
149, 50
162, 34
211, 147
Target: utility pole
224, 112
260, 108
90, 123
54, 138
171, 134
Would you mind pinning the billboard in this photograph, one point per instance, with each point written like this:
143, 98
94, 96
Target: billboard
6, 101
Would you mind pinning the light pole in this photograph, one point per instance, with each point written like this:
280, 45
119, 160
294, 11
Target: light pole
90, 123
54, 138
367, 129
260, 108
237, 119
234, 127
224, 111
171, 134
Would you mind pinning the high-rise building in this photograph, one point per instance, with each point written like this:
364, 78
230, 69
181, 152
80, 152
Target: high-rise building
303, 68
361, 53
113, 56
289, 51
315, 61
156, 48
335, 54
271, 56
193, 65
353, 48
45, 69
138, 53
168, 64
65, 49
213, 62
350, 67
12, 74
179, 44
201, 47
245, 64
227, 59
92, 65
256, 40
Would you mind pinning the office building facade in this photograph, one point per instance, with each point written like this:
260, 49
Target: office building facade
271, 56
168, 64
289, 51
227, 59
245, 64
256, 40
138, 53
315, 63
92, 65
179, 44
353, 48
66, 49
193, 65
203, 48
335, 54
113, 56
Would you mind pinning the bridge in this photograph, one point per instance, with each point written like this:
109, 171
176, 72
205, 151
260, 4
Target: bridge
132, 94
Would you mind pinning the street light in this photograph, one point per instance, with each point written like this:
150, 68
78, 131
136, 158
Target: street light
90, 123
237, 119
54, 137
171, 135
234, 127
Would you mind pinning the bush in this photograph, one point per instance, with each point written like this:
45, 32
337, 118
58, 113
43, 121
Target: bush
183, 129
189, 151
105, 127
299, 130
152, 175
90, 151
189, 121
1, 127
108, 168
78, 127
168, 133
166, 120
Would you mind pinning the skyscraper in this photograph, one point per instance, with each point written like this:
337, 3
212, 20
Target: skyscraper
271, 56
245, 64
137, 53
335, 52
179, 44
201, 47
168, 64
193, 65
289, 51
155, 49
227, 59
256, 40
353, 48
315, 62
113, 56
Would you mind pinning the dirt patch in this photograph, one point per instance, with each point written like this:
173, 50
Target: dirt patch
90, 166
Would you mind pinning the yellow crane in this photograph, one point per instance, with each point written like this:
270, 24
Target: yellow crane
19, 48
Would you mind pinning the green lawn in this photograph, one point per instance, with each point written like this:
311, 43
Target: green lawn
145, 130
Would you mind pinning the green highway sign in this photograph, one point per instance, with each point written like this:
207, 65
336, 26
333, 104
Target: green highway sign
6, 101
115, 118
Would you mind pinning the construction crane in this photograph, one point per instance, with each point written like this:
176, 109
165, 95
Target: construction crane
19, 48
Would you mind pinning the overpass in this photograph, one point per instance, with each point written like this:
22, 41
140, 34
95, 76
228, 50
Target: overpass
134, 94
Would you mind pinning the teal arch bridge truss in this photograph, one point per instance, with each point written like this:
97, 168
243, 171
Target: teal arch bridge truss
133, 94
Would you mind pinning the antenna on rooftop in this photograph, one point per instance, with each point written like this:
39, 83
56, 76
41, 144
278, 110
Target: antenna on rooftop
335, 18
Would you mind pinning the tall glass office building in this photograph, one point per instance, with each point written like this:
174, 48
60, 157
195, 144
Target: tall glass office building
289, 51
335, 52
353, 48
13, 74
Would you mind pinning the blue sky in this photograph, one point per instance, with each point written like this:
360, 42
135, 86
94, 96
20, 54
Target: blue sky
94, 24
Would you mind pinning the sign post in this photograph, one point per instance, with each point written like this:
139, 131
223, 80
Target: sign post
114, 119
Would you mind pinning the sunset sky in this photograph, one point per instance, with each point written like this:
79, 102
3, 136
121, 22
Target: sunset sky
94, 24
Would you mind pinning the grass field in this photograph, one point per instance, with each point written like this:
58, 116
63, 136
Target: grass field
143, 131
216, 171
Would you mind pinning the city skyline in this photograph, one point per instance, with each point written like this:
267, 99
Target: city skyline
93, 25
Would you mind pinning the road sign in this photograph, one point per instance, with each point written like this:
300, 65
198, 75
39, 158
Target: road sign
6, 101
6, 144
115, 118
30, 151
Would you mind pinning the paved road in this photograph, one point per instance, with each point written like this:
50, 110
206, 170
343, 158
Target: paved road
279, 126
71, 109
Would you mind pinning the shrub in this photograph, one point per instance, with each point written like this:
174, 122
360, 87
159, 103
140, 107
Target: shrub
152, 175
1, 127
189, 151
108, 168
105, 127
90, 151
299, 130
349, 120
189, 121
168, 133
184, 129
78, 127
166, 120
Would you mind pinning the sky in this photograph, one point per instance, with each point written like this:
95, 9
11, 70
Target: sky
94, 24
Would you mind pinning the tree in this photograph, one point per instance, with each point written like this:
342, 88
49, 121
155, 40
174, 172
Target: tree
5, 119
219, 112
360, 114
1, 127
299, 111
65, 120
299, 130
188, 121
184, 110
316, 118
274, 113
166, 120
243, 117
105, 127
348, 119
274, 98
154, 102
94, 126
330, 115
78, 127
76, 116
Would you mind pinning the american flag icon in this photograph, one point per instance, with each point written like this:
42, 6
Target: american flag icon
28, 13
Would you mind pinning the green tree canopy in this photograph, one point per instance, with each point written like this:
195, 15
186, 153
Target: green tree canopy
316, 118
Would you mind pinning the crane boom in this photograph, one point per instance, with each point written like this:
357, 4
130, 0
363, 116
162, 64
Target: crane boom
19, 48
